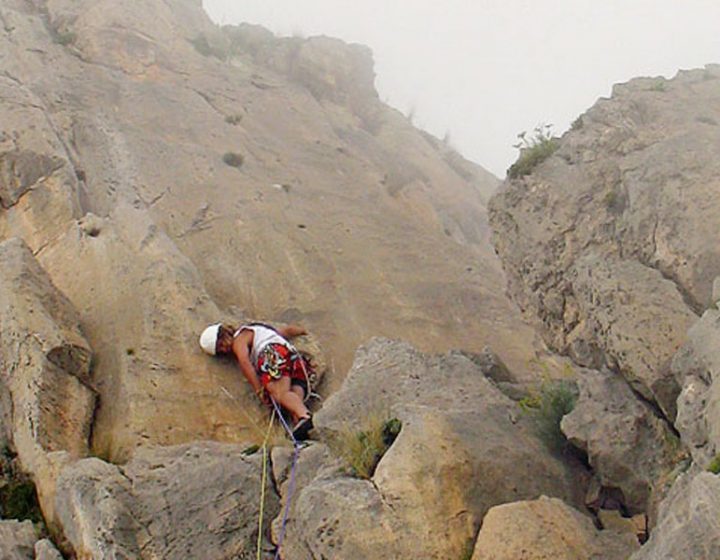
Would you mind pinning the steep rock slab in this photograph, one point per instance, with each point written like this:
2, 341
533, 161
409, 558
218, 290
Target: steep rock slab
45, 370
39, 190
635, 181
627, 445
156, 385
433, 486
17, 540
366, 217
192, 501
547, 528
688, 526
697, 367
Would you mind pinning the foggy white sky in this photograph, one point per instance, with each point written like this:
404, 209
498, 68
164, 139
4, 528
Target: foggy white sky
485, 70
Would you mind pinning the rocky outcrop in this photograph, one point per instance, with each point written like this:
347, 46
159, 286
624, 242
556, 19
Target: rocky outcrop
611, 244
195, 501
628, 446
697, 367
45, 370
688, 522
168, 173
17, 540
547, 528
432, 488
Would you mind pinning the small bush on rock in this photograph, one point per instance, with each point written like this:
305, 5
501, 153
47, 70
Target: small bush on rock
362, 449
553, 400
18, 499
233, 160
714, 466
533, 150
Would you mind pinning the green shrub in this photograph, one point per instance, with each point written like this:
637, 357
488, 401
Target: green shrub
706, 120
659, 86
714, 466
469, 550
18, 500
63, 37
533, 151
233, 160
233, 119
362, 449
553, 400
217, 48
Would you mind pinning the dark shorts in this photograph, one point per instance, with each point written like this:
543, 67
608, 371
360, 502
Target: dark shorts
277, 361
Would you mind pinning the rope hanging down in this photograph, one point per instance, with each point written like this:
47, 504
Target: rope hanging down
263, 486
291, 487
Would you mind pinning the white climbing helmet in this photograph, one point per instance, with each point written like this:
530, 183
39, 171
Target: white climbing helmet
208, 338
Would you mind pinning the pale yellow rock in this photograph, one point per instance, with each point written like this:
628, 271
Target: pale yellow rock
45, 370
547, 529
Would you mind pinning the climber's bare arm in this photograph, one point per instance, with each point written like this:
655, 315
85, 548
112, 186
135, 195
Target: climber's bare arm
291, 331
241, 348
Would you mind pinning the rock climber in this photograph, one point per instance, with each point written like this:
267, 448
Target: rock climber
270, 363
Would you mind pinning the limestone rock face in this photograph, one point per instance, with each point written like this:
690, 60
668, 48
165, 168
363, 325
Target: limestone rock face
17, 540
697, 366
463, 448
196, 501
45, 550
168, 173
45, 363
546, 529
628, 446
611, 245
688, 523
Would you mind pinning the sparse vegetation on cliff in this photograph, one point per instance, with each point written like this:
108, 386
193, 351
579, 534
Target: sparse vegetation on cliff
18, 499
552, 400
362, 449
233, 159
533, 150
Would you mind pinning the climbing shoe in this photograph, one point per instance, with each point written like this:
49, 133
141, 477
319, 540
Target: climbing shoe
302, 428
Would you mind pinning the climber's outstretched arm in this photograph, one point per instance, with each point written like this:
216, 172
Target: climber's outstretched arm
291, 331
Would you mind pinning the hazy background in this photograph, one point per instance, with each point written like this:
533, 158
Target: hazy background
485, 70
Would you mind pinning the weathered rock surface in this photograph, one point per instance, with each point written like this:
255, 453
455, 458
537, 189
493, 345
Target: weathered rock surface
628, 446
697, 367
546, 529
688, 526
17, 540
45, 370
45, 550
460, 440
117, 118
611, 245
193, 501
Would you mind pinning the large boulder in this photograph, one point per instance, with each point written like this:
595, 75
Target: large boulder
463, 448
17, 540
547, 528
697, 367
688, 522
628, 446
195, 501
611, 244
45, 370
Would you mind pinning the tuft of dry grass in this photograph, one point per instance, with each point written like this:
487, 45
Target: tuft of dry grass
362, 447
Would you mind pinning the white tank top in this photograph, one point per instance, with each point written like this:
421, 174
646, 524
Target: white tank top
262, 336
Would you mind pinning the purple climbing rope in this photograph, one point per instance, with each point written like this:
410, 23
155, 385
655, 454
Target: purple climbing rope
291, 486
